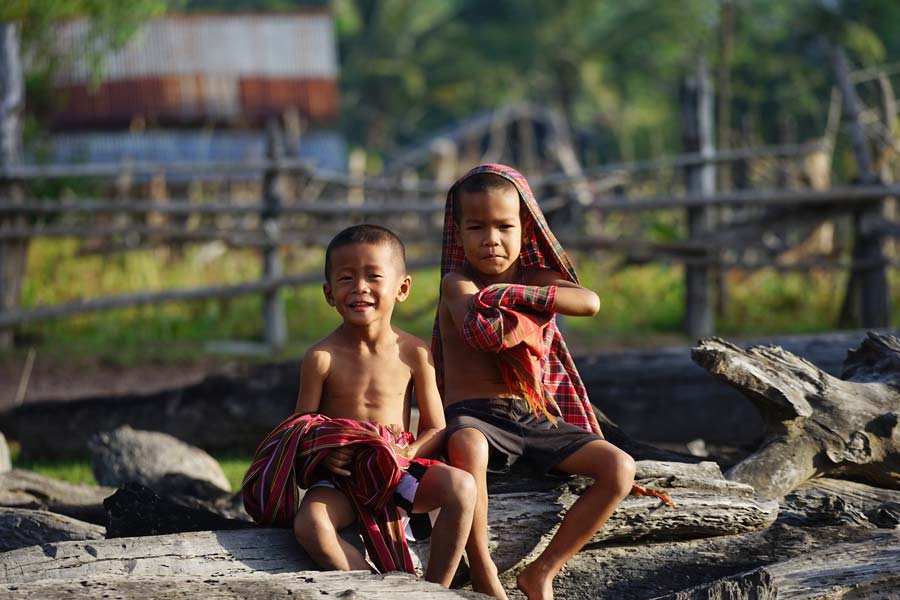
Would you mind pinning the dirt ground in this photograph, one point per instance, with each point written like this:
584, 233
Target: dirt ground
85, 378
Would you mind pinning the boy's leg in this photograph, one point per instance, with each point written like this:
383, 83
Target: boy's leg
452, 491
613, 473
323, 512
468, 450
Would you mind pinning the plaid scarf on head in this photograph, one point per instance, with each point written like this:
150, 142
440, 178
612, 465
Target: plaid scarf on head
289, 458
560, 379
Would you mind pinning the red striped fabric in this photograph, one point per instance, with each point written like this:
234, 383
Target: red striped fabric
290, 458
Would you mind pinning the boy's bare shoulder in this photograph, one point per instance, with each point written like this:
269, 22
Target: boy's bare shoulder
454, 283
320, 354
412, 349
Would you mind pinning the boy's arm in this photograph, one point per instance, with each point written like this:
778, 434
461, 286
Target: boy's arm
571, 299
430, 434
313, 372
477, 314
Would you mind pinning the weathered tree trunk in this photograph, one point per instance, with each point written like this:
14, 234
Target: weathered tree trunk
706, 504
521, 525
24, 489
305, 585
816, 424
23, 527
864, 569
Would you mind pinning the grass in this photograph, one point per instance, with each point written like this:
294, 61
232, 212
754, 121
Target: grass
641, 304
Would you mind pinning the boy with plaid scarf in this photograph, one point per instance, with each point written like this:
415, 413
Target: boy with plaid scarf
510, 389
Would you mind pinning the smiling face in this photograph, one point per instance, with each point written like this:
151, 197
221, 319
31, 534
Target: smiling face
365, 281
490, 231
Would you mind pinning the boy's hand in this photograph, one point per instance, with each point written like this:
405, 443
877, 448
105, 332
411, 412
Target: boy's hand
337, 459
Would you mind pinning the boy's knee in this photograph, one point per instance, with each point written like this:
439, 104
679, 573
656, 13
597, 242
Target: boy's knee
621, 472
462, 488
468, 449
312, 525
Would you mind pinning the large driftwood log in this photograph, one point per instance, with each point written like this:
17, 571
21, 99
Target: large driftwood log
521, 524
305, 585
816, 424
825, 501
869, 568
24, 489
641, 571
658, 394
22, 527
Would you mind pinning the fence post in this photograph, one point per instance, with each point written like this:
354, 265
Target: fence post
13, 253
697, 136
273, 304
867, 299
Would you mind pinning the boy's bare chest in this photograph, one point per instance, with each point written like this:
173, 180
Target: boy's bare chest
371, 378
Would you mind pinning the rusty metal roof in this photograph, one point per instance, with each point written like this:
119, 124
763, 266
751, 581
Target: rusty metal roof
270, 45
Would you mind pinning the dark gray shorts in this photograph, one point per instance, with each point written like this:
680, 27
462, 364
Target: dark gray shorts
513, 432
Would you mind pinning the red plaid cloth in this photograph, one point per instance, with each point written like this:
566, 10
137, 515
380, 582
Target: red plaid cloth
560, 378
289, 458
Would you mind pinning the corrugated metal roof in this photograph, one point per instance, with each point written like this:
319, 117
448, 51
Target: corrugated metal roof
285, 45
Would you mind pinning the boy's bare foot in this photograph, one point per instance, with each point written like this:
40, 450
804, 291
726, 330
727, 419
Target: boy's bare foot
536, 583
490, 586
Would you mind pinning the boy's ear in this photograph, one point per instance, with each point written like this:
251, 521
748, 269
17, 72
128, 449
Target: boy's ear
527, 228
403, 292
326, 289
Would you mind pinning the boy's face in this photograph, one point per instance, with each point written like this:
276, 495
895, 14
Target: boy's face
490, 232
366, 282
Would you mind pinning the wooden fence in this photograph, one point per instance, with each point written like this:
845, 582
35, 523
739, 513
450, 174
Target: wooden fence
292, 203
270, 223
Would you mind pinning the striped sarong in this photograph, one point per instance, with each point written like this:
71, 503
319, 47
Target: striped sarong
290, 458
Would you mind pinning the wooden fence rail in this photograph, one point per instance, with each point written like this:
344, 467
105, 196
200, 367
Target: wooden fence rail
273, 222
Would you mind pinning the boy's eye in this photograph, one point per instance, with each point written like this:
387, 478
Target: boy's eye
344, 278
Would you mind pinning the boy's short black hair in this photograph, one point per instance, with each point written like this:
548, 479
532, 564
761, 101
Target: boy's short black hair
366, 234
479, 183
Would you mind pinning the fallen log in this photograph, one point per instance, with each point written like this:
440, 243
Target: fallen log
521, 524
657, 394
24, 489
305, 585
23, 527
825, 501
867, 568
706, 504
816, 424
638, 571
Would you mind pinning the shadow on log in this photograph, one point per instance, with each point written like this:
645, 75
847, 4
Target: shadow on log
816, 424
